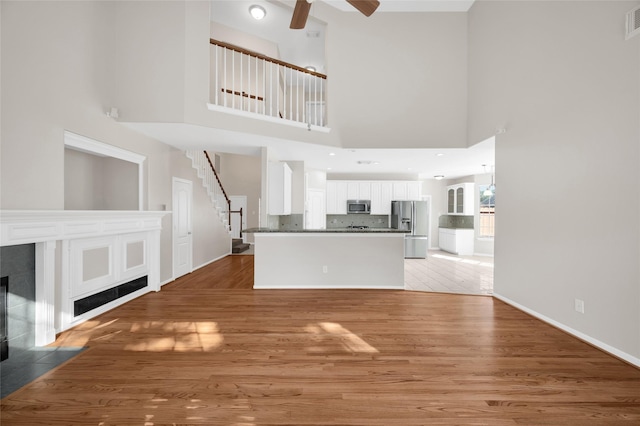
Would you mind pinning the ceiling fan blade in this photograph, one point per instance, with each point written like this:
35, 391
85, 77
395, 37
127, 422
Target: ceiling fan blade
366, 7
300, 14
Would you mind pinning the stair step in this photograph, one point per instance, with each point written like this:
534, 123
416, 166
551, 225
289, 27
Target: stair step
239, 248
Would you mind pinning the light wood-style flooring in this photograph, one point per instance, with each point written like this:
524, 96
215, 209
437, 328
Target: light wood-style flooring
208, 350
444, 272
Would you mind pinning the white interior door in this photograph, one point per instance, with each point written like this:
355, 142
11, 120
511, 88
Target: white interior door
316, 217
238, 202
182, 237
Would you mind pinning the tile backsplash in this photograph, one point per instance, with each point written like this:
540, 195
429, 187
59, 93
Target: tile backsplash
456, 221
296, 221
343, 220
292, 221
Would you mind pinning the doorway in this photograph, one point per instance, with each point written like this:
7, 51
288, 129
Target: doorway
182, 227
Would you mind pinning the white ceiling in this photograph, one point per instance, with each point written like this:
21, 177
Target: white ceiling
296, 47
423, 163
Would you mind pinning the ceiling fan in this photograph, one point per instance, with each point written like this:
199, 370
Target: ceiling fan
301, 11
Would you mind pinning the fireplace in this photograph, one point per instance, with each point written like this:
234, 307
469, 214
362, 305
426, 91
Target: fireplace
64, 267
4, 344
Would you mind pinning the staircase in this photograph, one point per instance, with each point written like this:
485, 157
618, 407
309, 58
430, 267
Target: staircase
210, 181
238, 246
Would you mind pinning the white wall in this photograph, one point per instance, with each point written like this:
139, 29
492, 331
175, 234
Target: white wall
396, 79
210, 238
566, 84
58, 72
94, 182
240, 175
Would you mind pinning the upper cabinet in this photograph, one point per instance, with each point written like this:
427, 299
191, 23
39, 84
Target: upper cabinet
461, 199
407, 191
358, 190
337, 197
279, 188
381, 193
381, 197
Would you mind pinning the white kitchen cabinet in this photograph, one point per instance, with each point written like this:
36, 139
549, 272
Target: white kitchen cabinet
358, 190
381, 197
461, 199
279, 188
406, 190
414, 189
400, 191
456, 241
336, 197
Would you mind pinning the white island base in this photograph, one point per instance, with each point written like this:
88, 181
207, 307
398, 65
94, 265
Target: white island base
299, 260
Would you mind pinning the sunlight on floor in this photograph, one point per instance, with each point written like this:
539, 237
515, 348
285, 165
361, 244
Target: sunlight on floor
442, 272
177, 336
331, 332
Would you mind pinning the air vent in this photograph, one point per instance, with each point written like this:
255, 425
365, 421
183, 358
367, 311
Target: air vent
633, 22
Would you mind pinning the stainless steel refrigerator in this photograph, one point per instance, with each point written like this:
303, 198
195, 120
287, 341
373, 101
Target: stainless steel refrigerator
412, 216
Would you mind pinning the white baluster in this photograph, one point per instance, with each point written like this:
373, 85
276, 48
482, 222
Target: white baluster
216, 77
224, 93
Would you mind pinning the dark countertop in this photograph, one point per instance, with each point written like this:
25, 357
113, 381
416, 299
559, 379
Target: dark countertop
450, 227
325, 231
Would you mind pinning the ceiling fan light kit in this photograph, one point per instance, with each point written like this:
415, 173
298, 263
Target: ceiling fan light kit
302, 8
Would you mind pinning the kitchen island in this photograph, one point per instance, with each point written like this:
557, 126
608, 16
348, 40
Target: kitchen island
370, 258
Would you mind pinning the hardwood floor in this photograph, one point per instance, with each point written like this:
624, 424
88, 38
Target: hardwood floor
209, 350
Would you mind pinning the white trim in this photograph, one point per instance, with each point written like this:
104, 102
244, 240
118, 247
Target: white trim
45, 227
595, 342
327, 287
268, 118
35, 226
163, 283
91, 146
106, 307
211, 261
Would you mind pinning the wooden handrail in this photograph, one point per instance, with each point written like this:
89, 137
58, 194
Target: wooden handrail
220, 185
266, 58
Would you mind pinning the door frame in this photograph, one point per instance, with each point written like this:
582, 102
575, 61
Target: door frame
174, 225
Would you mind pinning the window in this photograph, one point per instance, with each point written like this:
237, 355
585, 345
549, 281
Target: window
487, 211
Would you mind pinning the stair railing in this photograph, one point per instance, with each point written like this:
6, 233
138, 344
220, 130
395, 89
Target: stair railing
254, 83
221, 188
224, 193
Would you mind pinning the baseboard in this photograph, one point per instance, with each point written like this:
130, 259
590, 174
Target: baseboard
325, 287
211, 261
575, 333
170, 280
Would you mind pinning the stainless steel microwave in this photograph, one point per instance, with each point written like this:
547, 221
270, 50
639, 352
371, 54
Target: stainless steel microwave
358, 206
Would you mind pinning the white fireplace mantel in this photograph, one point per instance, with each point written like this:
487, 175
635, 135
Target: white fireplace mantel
47, 227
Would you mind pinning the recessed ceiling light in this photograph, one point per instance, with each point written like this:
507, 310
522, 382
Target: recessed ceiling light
332, 154
439, 154
328, 168
439, 177
310, 68
257, 12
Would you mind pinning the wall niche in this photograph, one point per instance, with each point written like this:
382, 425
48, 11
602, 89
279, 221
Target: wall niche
98, 176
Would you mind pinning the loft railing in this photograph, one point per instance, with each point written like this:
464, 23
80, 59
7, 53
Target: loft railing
247, 81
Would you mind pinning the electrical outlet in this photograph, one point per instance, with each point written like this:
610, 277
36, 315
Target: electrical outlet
325, 269
579, 305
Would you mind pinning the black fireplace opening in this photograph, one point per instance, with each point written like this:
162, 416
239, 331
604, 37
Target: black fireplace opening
4, 342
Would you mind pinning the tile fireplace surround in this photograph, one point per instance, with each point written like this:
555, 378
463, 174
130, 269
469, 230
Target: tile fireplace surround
83, 253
